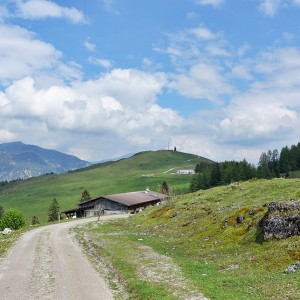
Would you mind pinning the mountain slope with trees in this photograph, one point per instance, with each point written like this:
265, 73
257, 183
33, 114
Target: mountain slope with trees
271, 164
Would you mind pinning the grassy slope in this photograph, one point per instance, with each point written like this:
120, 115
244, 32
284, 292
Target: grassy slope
225, 261
34, 195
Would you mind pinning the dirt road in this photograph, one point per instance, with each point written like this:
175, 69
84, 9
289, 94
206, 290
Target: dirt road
47, 264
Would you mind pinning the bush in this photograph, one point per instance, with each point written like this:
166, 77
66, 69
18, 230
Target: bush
35, 220
12, 219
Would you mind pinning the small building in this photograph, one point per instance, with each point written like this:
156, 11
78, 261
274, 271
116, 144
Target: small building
185, 172
132, 202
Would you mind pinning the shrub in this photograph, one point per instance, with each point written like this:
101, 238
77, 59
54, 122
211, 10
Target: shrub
35, 220
12, 219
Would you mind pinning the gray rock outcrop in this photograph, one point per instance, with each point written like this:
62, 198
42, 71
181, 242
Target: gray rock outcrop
282, 220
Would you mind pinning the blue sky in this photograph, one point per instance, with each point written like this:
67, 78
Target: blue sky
102, 78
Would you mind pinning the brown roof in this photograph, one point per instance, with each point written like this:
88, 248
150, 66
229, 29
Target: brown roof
135, 198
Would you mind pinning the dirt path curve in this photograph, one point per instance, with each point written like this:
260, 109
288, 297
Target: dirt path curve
47, 264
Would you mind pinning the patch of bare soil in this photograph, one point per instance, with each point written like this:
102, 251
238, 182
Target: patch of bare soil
154, 267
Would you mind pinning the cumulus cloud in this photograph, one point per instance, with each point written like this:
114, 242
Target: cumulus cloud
121, 103
199, 54
270, 109
22, 54
202, 81
40, 9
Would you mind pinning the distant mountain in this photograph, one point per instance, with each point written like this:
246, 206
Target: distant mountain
21, 161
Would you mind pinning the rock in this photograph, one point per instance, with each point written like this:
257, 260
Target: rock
239, 219
293, 267
282, 220
7, 231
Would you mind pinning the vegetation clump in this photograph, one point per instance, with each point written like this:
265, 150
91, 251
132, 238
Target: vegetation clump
12, 219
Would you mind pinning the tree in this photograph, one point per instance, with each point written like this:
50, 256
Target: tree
12, 219
85, 196
35, 220
1, 211
53, 211
284, 160
215, 177
165, 188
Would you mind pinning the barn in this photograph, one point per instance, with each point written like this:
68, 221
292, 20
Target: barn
131, 202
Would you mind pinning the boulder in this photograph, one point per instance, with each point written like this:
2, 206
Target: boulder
293, 267
282, 220
7, 231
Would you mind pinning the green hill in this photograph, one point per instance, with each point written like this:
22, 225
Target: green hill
215, 236
143, 170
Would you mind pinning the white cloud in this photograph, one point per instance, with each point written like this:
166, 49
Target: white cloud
242, 71
270, 7
270, 108
6, 135
190, 46
202, 81
209, 2
121, 104
202, 33
22, 54
104, 63
89, 45
40, 9
109, 6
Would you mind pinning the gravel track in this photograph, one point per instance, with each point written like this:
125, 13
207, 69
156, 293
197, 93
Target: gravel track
47, 264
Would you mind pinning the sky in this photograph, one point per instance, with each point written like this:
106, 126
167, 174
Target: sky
102, 78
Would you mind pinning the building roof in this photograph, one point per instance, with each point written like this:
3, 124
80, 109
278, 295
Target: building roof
131, 198
135, 198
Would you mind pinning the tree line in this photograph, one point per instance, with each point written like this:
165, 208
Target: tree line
271, 164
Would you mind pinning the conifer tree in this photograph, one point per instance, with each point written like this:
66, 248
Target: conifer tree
85, 196
53, 212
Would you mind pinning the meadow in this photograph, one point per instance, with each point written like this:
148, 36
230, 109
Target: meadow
144, 170
220, 257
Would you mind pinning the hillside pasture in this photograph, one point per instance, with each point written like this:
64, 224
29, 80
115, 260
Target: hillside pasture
33, 196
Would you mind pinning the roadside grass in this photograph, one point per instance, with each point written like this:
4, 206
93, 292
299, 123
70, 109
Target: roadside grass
7, 241
219, 256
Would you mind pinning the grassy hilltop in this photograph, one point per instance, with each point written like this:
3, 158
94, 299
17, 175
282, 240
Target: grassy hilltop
143, 170
222, 257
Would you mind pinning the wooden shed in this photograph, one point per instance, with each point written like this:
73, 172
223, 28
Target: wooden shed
125, 202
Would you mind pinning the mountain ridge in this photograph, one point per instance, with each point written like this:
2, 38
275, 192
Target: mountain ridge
23, 161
